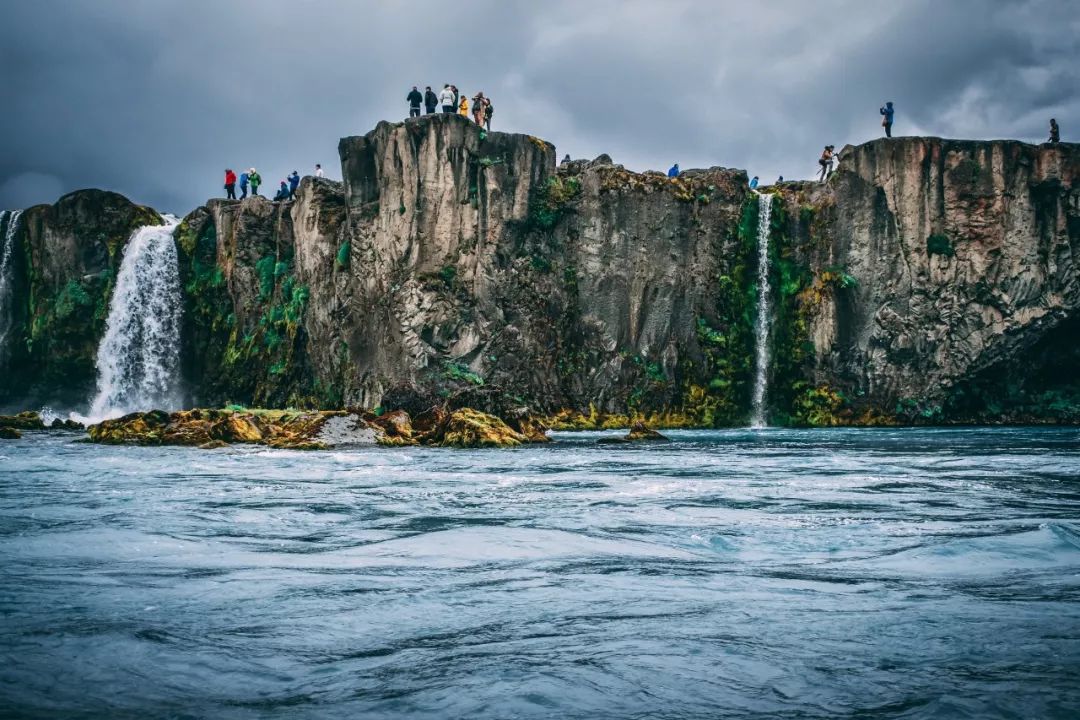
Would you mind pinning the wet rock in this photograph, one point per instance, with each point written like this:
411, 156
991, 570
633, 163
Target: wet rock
467, 428
22, 421
9, 433
396, 426
408, 397
58, 424
638, 433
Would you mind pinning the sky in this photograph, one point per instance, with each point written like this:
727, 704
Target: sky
154, 98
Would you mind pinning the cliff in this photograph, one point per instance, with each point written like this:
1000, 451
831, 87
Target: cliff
911, 287
961, 261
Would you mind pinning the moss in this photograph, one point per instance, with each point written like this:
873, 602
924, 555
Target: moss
344, 254
457, 371
551, 201
937, 244
264, 268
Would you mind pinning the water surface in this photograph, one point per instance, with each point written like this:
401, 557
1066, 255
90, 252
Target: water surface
848, 573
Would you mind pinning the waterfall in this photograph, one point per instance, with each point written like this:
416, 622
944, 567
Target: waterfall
764, 315
138, 360
7, 273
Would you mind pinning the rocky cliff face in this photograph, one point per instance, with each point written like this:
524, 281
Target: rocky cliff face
65, 260
911, 287
933, 265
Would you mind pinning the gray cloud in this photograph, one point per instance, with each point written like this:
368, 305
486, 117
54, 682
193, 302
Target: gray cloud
154, 99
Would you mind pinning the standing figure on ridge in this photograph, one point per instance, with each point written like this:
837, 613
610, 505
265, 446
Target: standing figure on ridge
230, 184
887, 118
780, 180
489, 110
318, 170
243, 185
415, 98
463, 108
674, 171
457, 96
478, 108
446, 99
754, 182
256, 180
431, 100
826, 162
1055, 134
294, 182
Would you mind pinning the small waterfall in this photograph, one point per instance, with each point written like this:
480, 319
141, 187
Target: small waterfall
764, 315
6, 273
138, 361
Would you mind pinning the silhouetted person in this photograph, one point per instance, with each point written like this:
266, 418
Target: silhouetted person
780, 180
674, 171
887, 118
294, 182
230, 184
489, 110
1055, 134
415, 98
431, 100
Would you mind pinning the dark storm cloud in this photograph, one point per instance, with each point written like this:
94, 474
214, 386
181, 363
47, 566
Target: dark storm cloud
154, 99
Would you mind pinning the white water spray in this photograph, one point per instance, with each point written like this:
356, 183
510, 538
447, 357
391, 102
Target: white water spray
138, 360
6, 273
764, 315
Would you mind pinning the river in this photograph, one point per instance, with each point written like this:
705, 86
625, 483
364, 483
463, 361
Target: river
816, 574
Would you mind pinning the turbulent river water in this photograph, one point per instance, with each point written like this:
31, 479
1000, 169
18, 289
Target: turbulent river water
848, 573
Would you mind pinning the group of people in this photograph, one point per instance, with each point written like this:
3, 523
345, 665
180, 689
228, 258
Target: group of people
251, 179
451, 101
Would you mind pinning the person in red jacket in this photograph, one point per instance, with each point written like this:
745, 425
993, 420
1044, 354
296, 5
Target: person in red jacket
230, 184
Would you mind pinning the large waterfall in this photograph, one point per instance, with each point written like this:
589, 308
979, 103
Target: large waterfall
764, 315
6, 273
138, 361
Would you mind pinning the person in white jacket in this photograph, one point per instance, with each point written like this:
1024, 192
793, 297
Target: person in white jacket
446, 99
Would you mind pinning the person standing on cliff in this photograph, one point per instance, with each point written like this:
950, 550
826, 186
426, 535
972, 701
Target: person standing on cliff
1055, 134
754, 182
230, 184
318, 170
489, 110
446, 99
415, 98
463, 108
294, 182
887, 118
431, 100
674, 171
256, 180
243, 185
826, 162
478, 108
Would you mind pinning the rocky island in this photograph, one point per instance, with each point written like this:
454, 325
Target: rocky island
929, 281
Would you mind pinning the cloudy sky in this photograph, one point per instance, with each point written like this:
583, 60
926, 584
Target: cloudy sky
153, 98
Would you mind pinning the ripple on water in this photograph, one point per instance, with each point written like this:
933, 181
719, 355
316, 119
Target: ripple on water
869, 573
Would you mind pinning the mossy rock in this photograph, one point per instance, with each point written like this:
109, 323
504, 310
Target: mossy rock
9, 433
468, 428
22, 421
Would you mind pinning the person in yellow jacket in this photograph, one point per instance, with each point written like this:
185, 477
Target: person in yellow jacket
463, 108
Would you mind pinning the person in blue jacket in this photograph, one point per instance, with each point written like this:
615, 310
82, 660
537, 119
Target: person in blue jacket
674, 171
294, 182
243, 185
754, 182
887, 118
282, 193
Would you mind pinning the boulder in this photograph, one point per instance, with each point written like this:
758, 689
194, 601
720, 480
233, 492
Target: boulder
468, 428
9, 433
638, 433
22, 421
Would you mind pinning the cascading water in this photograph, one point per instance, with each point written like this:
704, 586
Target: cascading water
138, 360
12, 219
764, 315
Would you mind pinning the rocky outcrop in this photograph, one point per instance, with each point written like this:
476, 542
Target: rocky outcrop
929, 281
65, 258
303, 430
928, 263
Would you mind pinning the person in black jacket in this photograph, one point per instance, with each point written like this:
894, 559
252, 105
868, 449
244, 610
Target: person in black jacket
431, 100
414, 98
